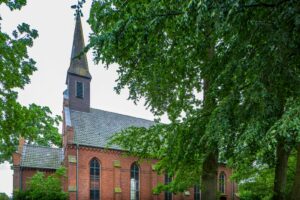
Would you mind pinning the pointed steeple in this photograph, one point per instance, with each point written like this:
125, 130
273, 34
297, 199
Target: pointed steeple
79, 64
78, 76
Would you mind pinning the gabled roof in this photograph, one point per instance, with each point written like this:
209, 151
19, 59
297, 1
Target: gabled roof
96, 127
41, 157
79, 64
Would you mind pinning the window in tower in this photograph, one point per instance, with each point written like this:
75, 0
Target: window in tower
79, 89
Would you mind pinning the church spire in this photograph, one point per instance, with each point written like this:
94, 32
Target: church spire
78, 76
79, 64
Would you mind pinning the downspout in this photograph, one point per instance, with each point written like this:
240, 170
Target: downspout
20, 175
232, 190
77, 160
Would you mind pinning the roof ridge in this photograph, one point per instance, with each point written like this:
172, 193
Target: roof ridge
45, 147
97, 109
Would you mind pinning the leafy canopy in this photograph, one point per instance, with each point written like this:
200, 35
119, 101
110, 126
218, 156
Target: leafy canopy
34, 122
249, 52
258, 181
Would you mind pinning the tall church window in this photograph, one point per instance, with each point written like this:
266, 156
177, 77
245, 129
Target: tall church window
94, 179
79, 89
134, 182
222, 181
197, 194
168, 194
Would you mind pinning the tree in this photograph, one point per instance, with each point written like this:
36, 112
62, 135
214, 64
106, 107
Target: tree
264, 63
257, 182
169, 85
44, 188
288, 127
3, 196
34, 123
166, 49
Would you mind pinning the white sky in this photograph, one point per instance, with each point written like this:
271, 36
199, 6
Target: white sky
54, 21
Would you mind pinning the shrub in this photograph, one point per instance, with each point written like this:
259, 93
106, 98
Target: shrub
44, 188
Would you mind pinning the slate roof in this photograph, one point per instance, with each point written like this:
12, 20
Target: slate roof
96, 127
41, 157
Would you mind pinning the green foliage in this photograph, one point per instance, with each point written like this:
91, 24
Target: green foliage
141, 42
165, 143
249, 52
288, 126
44, 188
257, 183
34, 122
161, 61
14, 4
3, 196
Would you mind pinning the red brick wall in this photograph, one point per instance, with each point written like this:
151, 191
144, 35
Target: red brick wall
16, 178
111, 177
16, 167
230, 186
27, 173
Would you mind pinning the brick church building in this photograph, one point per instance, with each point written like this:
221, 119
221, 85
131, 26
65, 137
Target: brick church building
93, 171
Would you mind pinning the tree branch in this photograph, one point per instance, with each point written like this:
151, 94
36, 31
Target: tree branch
171, 13
266, 5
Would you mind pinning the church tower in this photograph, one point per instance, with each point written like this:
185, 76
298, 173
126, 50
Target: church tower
78, 76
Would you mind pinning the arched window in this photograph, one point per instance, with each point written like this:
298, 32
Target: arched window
94, 180
222, 182
197, 194
168, 194
134, 182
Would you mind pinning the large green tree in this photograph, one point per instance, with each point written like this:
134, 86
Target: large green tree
262, 56
258, 181
160, 60
244, 56
34, 123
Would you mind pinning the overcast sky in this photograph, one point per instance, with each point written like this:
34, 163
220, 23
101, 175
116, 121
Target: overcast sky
54, 20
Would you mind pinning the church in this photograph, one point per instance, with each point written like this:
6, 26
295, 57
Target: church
93, 171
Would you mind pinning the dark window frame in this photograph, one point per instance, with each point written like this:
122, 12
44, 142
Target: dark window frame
197, 192
95, 179
80, 96
222, 182
135, 175
168, 194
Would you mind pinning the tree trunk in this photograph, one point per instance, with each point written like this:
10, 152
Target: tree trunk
210, 177
280, 172
295, 193
210, 163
